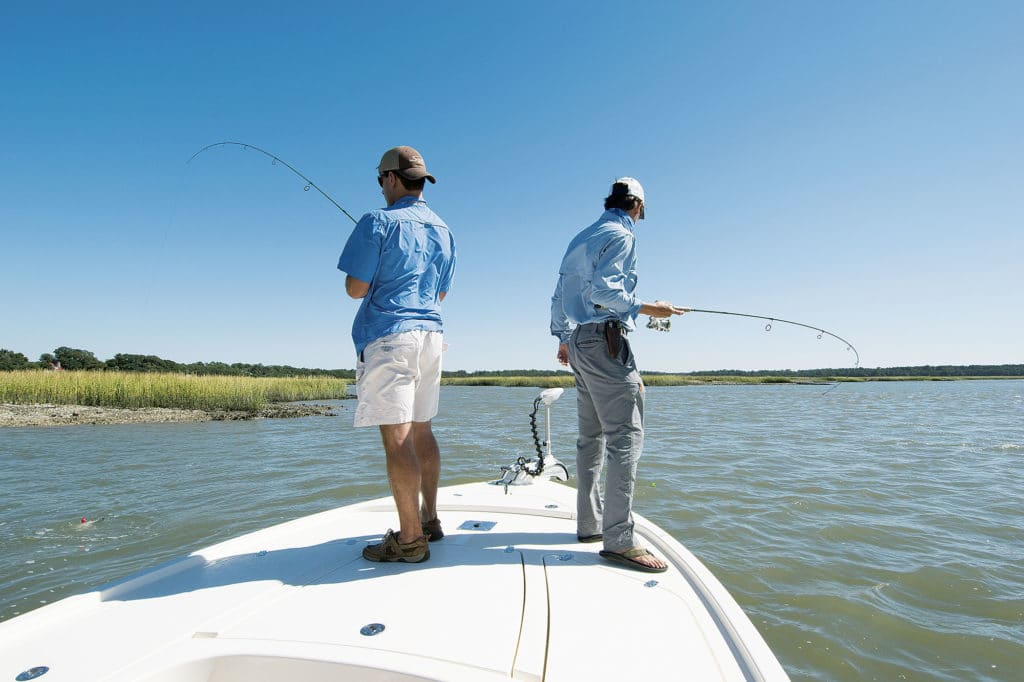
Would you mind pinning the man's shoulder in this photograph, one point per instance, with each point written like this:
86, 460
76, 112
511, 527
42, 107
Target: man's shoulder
417, 212
606, 228
427, 215
373, 218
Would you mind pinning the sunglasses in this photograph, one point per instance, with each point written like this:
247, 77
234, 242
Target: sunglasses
380, 178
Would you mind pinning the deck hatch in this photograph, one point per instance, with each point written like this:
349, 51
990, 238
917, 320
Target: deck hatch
477, 525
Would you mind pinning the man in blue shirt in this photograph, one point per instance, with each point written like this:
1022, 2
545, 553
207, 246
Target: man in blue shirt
592, 310
400, 261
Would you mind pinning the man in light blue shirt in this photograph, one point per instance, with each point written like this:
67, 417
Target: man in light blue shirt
400, 261
592, 310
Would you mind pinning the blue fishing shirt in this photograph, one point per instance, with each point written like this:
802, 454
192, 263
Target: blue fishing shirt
407, 254
597, 277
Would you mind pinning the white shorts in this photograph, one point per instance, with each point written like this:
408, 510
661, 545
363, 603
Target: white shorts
398, 379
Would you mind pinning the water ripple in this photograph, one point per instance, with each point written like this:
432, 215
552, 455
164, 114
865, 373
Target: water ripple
871, 532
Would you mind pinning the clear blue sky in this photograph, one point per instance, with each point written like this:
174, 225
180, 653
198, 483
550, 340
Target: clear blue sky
857, 166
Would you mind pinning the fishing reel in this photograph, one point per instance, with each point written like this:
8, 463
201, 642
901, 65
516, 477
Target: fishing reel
662, 324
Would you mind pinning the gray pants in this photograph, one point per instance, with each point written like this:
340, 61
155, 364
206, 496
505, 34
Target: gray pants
610, 408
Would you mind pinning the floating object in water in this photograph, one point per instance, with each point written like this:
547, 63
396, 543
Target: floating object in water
88, 523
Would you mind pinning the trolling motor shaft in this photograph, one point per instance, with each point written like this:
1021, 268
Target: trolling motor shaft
544, 466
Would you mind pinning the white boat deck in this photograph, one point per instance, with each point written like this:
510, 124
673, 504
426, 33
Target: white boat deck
507, 594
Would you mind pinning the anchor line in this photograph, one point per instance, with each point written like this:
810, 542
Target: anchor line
278, 159
771, 320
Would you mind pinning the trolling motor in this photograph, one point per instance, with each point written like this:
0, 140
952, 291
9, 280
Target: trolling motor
542, 467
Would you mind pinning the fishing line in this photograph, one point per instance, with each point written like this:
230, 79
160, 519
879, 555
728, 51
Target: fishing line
277, 159
162, 247
664, 325
658, 324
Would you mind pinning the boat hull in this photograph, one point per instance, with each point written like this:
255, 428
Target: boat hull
508, 593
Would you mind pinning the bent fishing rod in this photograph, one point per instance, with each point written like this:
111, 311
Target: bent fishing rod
277, 159
664, 324
657, 324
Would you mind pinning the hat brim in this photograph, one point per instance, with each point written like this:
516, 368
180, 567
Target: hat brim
413, 174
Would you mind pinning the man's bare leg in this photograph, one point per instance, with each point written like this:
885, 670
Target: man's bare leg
404, 476
429, 456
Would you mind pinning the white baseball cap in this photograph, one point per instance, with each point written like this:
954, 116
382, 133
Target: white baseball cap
630, 187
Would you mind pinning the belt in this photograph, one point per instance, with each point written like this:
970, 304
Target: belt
601, 326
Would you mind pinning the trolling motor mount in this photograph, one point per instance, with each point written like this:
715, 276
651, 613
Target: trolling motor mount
544, 466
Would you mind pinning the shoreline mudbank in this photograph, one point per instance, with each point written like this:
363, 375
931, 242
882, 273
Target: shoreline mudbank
68, 415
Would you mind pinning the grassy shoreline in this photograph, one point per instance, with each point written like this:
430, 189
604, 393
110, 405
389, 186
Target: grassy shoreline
138, 390
214, 393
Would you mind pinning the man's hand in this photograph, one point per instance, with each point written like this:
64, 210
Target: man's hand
662, 309
563, 354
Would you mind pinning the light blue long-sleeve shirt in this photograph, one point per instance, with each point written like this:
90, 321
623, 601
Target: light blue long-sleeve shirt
597, 277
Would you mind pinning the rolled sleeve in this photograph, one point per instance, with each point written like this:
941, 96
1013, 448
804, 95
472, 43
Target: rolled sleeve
561, 327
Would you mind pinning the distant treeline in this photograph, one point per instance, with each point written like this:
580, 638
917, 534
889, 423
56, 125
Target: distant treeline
76, 359
66, 358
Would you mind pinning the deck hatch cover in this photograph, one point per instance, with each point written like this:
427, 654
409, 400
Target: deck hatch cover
477, 525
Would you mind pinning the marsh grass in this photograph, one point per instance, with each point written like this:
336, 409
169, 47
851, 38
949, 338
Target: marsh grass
136, 390
180, 391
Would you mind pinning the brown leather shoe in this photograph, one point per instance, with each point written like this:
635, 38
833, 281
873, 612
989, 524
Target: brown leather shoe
432, 529
392, 550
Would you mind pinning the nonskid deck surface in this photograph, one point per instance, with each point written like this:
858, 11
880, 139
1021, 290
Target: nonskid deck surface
508, 593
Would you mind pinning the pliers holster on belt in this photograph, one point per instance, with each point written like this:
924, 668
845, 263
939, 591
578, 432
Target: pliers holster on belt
613, 333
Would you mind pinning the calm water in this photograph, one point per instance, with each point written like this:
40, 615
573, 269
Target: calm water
872, 531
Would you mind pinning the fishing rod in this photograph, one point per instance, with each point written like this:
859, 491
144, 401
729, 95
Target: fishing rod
664, 324
277, 159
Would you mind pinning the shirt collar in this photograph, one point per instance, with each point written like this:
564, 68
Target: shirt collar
620, 216
406, 200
